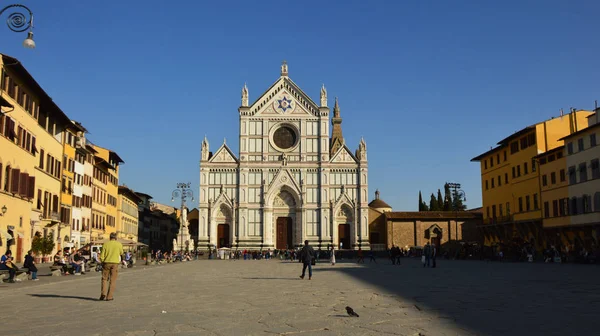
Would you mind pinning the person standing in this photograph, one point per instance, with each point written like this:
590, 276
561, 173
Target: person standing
30, 264
306, 255
332, 257
110, 258
427, 253
433, 254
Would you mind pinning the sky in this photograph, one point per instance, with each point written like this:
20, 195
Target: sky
428, 84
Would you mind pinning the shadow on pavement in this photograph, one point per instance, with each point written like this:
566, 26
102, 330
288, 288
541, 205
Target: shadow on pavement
64, 297
271, 278
491, 298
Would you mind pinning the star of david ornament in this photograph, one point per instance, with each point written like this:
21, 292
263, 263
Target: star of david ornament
284, 104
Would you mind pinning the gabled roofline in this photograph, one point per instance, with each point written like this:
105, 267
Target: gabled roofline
224, 145
294, 86
349, 151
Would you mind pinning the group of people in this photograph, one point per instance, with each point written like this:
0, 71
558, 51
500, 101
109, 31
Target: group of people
7, 264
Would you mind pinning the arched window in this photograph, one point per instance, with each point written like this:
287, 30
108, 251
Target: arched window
597, 201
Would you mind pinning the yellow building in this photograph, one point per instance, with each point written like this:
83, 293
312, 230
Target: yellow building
554, 188
109, 187
68, 222
128, 219
31, 130
510, 179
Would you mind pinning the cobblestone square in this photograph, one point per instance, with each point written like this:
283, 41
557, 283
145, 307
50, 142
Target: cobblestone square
214, 297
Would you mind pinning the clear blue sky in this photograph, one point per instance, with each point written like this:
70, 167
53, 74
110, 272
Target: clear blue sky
429, 84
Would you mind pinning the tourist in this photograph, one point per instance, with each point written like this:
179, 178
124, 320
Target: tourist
306, 255
360, 256
332, 256
6, 264
110, 257
30, 265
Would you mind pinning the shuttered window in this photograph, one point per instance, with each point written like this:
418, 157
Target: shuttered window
31, 187
23, 188
14, 180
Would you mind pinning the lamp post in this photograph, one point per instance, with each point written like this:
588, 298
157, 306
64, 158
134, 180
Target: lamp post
458, 196
19, 22
4, 210
183, 191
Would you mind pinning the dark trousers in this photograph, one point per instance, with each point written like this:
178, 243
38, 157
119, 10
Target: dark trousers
304, 266
11, 272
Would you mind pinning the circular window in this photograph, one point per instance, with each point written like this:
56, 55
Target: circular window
285, 137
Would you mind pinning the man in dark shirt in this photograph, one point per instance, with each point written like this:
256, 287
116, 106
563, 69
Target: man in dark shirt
307, 254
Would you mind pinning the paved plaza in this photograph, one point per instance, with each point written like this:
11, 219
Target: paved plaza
223, 297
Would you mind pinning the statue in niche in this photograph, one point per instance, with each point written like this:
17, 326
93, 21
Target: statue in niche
284, 159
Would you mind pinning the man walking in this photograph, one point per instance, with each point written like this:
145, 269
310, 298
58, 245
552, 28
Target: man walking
306, 255
110, 258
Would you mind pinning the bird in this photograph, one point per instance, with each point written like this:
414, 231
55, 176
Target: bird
351, 312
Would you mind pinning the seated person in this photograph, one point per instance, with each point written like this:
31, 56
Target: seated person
7, 265
76, 265
59, 260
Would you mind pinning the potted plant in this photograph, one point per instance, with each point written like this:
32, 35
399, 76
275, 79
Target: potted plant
36, 247
47, 247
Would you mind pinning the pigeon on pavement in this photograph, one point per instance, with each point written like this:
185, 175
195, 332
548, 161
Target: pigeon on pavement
351, 312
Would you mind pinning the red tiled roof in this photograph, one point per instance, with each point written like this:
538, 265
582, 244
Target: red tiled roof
432, 215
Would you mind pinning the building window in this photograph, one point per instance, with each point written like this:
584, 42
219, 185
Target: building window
533, 165
570, 148
572, 175
518, 171
499, 180
486, 185
535, 202
553, 177
491, 162
527, 203
592, 140
574, 207
514, 147
487, 212
562, 175
597, 201
484, 164
546, 210
492, 180
520, 204
525, 170
587, 203
555, 208
580, 144
514, 174
498, 158
506, 178
508, 208
505, 156
582, 172
595, 169
544, 180
494, 211
500, 213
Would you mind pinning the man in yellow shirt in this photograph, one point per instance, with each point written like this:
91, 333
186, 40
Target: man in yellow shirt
111, 259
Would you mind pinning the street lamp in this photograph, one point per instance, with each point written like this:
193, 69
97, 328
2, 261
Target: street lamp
4, 209
183, 191
458, 196
18, 23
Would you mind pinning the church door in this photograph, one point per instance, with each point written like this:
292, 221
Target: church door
344, 236
284, 233
222, 235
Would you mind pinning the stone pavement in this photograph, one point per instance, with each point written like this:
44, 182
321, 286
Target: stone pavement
223, 297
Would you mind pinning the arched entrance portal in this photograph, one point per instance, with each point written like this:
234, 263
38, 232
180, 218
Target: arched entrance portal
224, 220
284, 210
344, 219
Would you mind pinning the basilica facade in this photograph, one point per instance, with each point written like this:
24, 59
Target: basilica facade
293, 180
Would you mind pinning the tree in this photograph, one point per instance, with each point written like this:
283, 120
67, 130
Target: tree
440, 201
448, 203
37, 245
425, 206
433, 203
420, 202
47, 245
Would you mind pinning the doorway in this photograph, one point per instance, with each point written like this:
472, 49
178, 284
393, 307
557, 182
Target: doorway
222, 235
284, 233
344, 236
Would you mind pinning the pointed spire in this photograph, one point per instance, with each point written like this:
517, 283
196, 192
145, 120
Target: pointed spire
245, 95
284, 69
224, 141
337, 139
336, 109
377, 194
323, 96
204, 150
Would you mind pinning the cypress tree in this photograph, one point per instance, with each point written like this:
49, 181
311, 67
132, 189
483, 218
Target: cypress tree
447, 198
440, 201
433, 203
420, 202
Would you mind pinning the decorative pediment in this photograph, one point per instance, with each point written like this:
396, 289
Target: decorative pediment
222, 199
344, 155
223, 155
284, 98
284, 199
343, 199
283, 180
